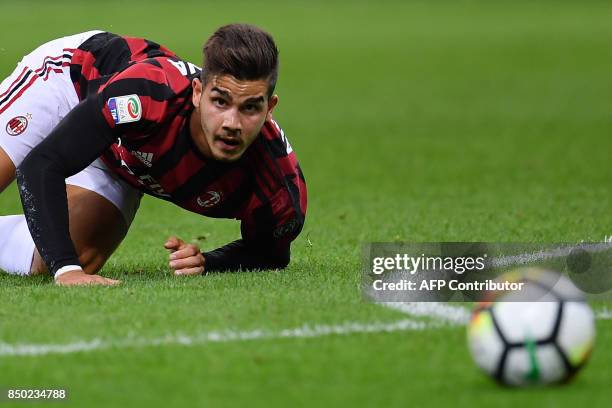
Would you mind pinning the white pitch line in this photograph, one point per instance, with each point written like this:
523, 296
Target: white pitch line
454, 315
306, 331
441, 312
522, 259
604, 314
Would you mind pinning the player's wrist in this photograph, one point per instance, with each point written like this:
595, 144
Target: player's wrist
65, 269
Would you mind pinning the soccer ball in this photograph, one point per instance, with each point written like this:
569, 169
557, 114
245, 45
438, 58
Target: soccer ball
521, 343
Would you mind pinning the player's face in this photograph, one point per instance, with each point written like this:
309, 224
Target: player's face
229, 115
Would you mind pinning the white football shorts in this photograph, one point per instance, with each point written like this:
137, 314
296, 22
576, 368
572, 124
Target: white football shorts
35, 98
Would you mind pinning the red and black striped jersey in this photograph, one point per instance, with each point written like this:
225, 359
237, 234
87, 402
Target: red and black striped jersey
144, 94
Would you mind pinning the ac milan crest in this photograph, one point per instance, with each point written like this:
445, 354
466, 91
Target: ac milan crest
17, 125
211, 199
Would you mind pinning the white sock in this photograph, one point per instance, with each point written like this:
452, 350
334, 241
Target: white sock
16, 245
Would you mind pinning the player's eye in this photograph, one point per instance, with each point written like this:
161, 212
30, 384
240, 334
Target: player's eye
251, 108
220, 102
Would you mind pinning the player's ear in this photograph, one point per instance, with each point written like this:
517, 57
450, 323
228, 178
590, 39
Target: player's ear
272, 102
196, 84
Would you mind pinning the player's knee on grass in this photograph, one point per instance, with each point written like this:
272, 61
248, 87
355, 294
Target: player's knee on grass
97, 228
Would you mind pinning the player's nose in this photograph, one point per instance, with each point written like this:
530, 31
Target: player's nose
231, 122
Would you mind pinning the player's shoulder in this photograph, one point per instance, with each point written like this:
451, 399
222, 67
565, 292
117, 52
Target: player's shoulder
177, 71
135, 57
169, 69
176, 66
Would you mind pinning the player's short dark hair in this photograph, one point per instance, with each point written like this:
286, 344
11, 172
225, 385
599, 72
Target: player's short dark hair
244, 51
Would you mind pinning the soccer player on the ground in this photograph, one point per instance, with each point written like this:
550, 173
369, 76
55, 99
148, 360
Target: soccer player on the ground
94, 120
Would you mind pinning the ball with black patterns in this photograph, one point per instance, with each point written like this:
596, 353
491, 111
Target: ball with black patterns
544, 338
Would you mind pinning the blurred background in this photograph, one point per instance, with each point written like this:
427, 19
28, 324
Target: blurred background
498, 109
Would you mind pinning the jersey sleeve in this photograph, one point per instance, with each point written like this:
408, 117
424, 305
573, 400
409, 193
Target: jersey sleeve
135, 101
267, 231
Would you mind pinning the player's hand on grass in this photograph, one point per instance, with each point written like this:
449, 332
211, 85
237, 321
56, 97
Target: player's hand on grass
184, 259
79, 278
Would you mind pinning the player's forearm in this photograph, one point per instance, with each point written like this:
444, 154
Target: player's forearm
43, 196
238, 255
74, 143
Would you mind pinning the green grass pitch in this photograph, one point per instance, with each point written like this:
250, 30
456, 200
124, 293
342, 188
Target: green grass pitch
420, 121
